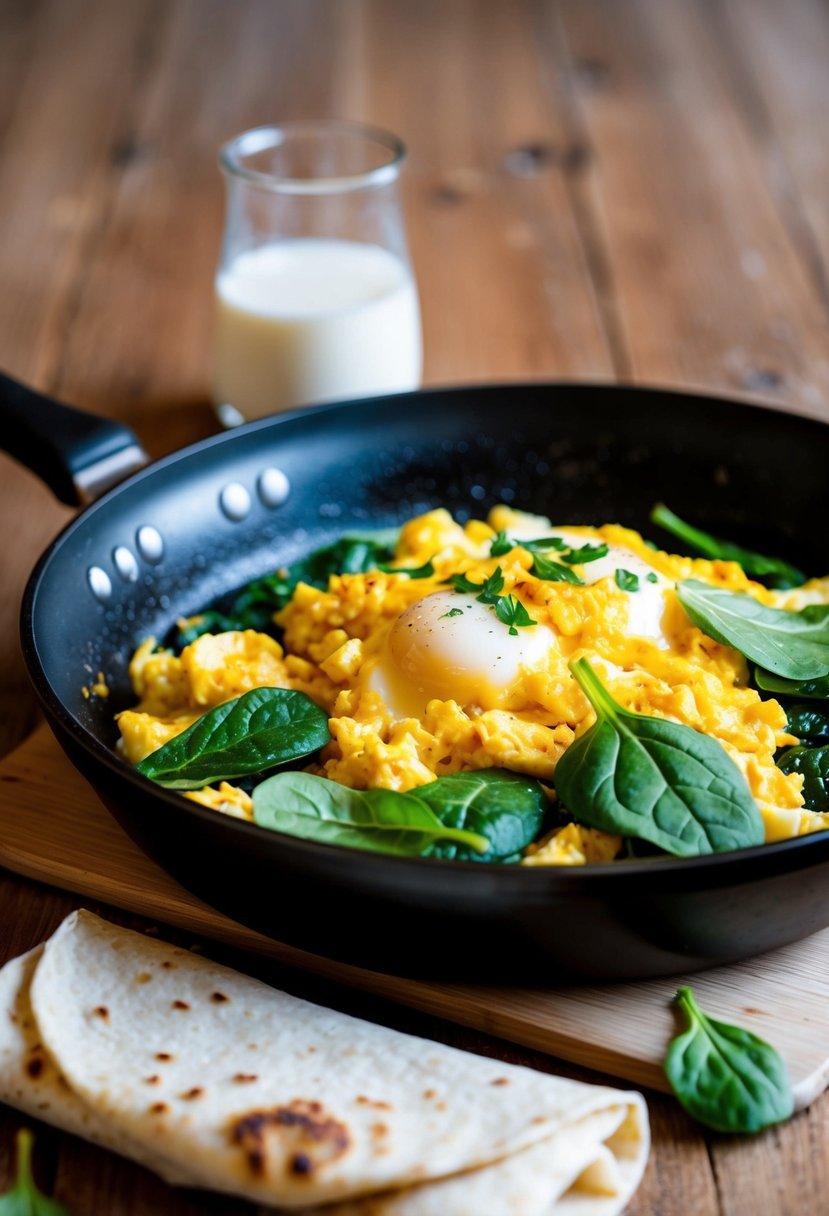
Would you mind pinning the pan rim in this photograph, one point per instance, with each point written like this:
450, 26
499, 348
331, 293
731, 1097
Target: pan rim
545, 876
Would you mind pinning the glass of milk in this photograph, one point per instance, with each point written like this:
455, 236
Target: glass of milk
315, 296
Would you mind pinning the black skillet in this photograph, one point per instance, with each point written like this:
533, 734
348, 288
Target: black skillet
202, 522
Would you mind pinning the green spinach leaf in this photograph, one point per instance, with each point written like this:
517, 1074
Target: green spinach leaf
817, 690
255, 605
655, 780
809, 723
771, 570
383, 821
790, 644
724, 1076
254, 732
24, 1199
813, 763
505, 808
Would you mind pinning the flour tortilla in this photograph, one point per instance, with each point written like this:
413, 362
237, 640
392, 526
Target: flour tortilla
216, 1080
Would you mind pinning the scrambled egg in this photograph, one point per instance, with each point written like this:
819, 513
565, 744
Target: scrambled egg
420, 679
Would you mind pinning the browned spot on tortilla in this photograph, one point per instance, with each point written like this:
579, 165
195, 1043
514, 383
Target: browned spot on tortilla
180, 1005
218, 998
751, 1009
143, 977
362, 1100
13, 1018
378, 1130
168, 966
440, 1106
43, 1106
301, 1133
500, 1081
428, 1094
159, 1108
539, 1119
163, 1055
101, 1011
311, 1050
35, 1066
190, 1094
155, 1079
245, 1077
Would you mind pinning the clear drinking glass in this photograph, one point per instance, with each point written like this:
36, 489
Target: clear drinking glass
315, 296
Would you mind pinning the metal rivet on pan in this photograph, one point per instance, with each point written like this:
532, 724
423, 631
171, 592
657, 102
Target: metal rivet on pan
273, 487
150, 545
100, 582
235, 501
125, 564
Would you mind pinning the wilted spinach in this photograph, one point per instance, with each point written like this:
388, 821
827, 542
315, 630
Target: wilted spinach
813, 763
253, 607
770, 570
809, 723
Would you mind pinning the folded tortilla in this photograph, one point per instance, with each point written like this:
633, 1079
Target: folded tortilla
215, 1080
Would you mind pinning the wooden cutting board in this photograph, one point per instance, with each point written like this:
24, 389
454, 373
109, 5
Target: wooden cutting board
53, 828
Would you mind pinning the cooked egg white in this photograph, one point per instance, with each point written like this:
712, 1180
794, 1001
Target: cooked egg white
421, 680
451, 647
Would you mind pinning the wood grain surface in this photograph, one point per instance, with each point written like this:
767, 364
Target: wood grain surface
596, 188
53, 828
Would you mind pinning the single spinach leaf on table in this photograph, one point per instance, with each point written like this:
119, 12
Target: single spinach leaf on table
656, 780
817, 690
813, 763
24, 1199
771, 570
790, 644
252, 733
382, 821
506, 808
724, 1076
809, 723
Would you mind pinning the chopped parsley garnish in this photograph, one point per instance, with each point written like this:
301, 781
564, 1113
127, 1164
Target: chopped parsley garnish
653, 577
512, 612
451, 612
544, 542
626, 580
501, 545
554, 572
487, 591
425, 571
507, 608
587, 553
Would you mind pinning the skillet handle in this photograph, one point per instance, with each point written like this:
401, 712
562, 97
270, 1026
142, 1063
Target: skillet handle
78, 455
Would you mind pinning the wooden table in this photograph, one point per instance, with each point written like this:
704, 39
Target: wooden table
597, 189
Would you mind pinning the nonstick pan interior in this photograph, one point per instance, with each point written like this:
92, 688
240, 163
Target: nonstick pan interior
203, 522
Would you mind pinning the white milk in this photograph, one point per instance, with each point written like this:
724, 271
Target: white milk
305, 321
